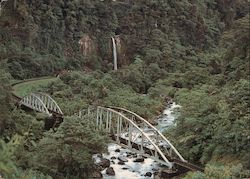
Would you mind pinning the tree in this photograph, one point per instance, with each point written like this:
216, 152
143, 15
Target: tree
68, 151
5, 100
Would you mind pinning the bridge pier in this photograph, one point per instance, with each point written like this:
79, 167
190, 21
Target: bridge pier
52, 122
166, 173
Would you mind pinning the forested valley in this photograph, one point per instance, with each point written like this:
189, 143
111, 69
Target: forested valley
195, 52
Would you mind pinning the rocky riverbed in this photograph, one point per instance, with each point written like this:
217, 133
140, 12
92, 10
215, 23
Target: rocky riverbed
126, 164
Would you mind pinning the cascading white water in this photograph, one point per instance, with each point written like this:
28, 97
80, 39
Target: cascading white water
114, 53
168, 117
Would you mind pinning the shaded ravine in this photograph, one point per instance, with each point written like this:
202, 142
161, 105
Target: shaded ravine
137, 170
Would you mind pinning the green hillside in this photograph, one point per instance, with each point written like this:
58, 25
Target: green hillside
193, 51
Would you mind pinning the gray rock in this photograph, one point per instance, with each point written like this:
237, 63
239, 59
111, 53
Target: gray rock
122, 159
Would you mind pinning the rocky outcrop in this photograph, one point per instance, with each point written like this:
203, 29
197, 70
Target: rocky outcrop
120, 49
110, 171
87, 45
118, 44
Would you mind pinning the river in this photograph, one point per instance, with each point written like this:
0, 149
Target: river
137, 170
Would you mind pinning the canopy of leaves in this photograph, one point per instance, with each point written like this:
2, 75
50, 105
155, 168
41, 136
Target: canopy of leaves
196, 51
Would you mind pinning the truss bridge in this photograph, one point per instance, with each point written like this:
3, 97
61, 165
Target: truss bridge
126, 128
41, 102
133, 132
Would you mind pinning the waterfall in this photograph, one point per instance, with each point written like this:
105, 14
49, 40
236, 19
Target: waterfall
114, 53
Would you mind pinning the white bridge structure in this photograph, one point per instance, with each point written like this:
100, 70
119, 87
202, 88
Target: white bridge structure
135, 133
125, 127
42, 103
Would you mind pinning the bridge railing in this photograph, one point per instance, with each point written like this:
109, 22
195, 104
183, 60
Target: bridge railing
156, 136
90, 111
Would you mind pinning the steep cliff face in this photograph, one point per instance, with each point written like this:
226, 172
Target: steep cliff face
80, 31
87, 46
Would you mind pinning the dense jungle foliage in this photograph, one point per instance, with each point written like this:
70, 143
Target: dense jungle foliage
194, 51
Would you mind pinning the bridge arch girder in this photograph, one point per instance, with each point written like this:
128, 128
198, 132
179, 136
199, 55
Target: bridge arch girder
50, 103
34, 102
42, 103
160, 137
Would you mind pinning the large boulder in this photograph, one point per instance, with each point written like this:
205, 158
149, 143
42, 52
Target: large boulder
110, 171
104, 163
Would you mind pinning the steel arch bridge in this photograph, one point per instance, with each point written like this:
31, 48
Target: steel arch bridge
135, 133
42, 103
126, 128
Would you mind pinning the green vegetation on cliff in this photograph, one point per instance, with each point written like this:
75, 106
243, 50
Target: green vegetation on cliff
195, 51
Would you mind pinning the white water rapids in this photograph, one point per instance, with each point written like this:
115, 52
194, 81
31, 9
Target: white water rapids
137, 170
